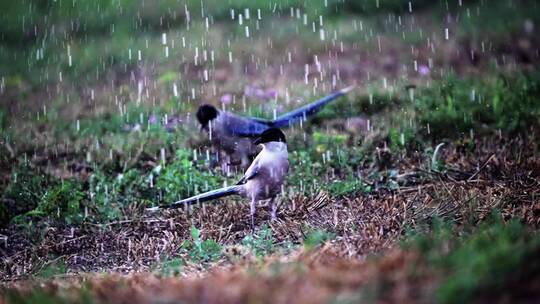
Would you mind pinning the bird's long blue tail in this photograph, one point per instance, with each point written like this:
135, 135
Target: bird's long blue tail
302, 113
200, 198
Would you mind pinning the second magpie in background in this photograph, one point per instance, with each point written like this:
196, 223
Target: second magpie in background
234, 133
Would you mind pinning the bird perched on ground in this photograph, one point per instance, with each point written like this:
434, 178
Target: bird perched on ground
233, 133
262, 180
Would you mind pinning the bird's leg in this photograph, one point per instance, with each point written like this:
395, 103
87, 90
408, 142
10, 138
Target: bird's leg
225, 165
245, 161
252, 215
274, 206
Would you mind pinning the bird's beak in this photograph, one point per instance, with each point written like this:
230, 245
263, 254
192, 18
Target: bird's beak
257, 140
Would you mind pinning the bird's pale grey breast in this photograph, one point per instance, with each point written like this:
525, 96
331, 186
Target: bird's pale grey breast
269, 169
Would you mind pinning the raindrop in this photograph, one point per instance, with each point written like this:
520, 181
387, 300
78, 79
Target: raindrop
175, 90
411, 93
162, 154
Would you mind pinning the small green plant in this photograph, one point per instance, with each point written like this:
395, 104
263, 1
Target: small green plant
103, 196
202, 250
52, 269
61, 202
316, 237
352, 186
26, 188
172, 267
260, 244
401, 139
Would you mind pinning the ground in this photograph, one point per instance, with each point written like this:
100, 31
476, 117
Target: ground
421, 185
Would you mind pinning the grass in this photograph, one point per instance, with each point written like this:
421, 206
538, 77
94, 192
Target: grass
451, 110
260, 244
316, 237
458, 107
202, 250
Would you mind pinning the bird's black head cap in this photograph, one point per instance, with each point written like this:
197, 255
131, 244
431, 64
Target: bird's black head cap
270, 135
205, 113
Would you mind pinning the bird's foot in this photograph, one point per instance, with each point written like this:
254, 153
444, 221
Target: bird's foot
252, 224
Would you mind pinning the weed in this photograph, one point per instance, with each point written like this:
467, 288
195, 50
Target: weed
316, 237
260, 244
61, 202
181, 178
110, 195
172, 267
202, 250
52, 269
403, 139
24, 192
348, 187
324, 141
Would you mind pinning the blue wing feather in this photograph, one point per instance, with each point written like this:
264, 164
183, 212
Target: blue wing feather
245, 126
302, 113
200, 198
252, 127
